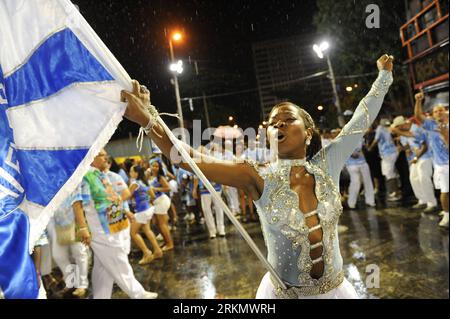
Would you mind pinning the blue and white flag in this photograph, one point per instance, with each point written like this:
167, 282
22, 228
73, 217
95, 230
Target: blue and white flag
59, 105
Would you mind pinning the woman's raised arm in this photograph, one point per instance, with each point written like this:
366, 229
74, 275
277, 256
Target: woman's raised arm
240, 175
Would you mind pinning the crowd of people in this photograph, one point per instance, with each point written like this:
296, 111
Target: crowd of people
399, 154
116, 205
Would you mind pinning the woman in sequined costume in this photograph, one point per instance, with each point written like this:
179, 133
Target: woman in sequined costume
297, 195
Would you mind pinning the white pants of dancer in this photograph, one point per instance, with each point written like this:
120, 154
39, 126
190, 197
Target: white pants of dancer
358, 172
111, 266
73, 277
207, 200
441, 177
232, 198
388, 166
420, 176
345, 290
46, 260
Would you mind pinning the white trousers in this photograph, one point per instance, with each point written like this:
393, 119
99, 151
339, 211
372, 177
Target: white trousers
441, 178
111, 266
74, 277
388, 166
358, 172
207, 200
420, 176
46, 260
232, 196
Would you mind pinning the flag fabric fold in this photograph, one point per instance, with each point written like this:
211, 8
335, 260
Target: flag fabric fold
59, 105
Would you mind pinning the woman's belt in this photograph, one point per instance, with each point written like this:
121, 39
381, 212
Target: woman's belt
294, 292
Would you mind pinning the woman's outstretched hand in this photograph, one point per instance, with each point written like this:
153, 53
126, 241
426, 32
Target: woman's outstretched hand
138, 101
385, 62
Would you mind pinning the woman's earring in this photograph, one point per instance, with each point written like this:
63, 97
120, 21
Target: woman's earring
308, 141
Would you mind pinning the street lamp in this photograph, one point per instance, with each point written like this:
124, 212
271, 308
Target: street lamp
177, 68
230, 118
320, 50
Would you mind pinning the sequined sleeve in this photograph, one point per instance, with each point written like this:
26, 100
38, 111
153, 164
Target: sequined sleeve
333, 157
261, 169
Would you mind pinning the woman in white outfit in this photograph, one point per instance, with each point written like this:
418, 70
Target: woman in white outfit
161, 201
297, 195
141, 192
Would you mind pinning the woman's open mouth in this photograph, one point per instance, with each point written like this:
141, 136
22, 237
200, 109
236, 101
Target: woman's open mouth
281, 137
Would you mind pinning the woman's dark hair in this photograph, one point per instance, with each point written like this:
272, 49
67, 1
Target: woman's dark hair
316, 140
160, 170
127, 164
114, 166
168, 163
141, 174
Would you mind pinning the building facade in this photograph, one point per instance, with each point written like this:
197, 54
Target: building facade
425, 41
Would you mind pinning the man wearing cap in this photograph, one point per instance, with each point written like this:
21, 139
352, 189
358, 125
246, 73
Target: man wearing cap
437, 131
414, 139
389, 154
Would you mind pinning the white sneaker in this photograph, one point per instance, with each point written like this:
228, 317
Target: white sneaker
160, 237
393, 197
191, 217
149, 295
202, 221
444, 221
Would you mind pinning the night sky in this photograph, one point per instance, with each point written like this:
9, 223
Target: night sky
218, 34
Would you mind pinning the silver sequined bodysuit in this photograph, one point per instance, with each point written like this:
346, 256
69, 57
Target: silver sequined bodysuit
283, 224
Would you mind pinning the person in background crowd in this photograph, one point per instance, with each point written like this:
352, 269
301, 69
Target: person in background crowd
70, 237
373, 159
231, 193
437, 130
37, 259
161, 202
358, 168
415, 141
108, 223
389, 154
207, 201
326, 137
141, 192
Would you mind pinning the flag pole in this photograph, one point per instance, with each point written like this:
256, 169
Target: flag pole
186, 157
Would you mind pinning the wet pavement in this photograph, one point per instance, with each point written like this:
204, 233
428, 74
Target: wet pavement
406, 249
